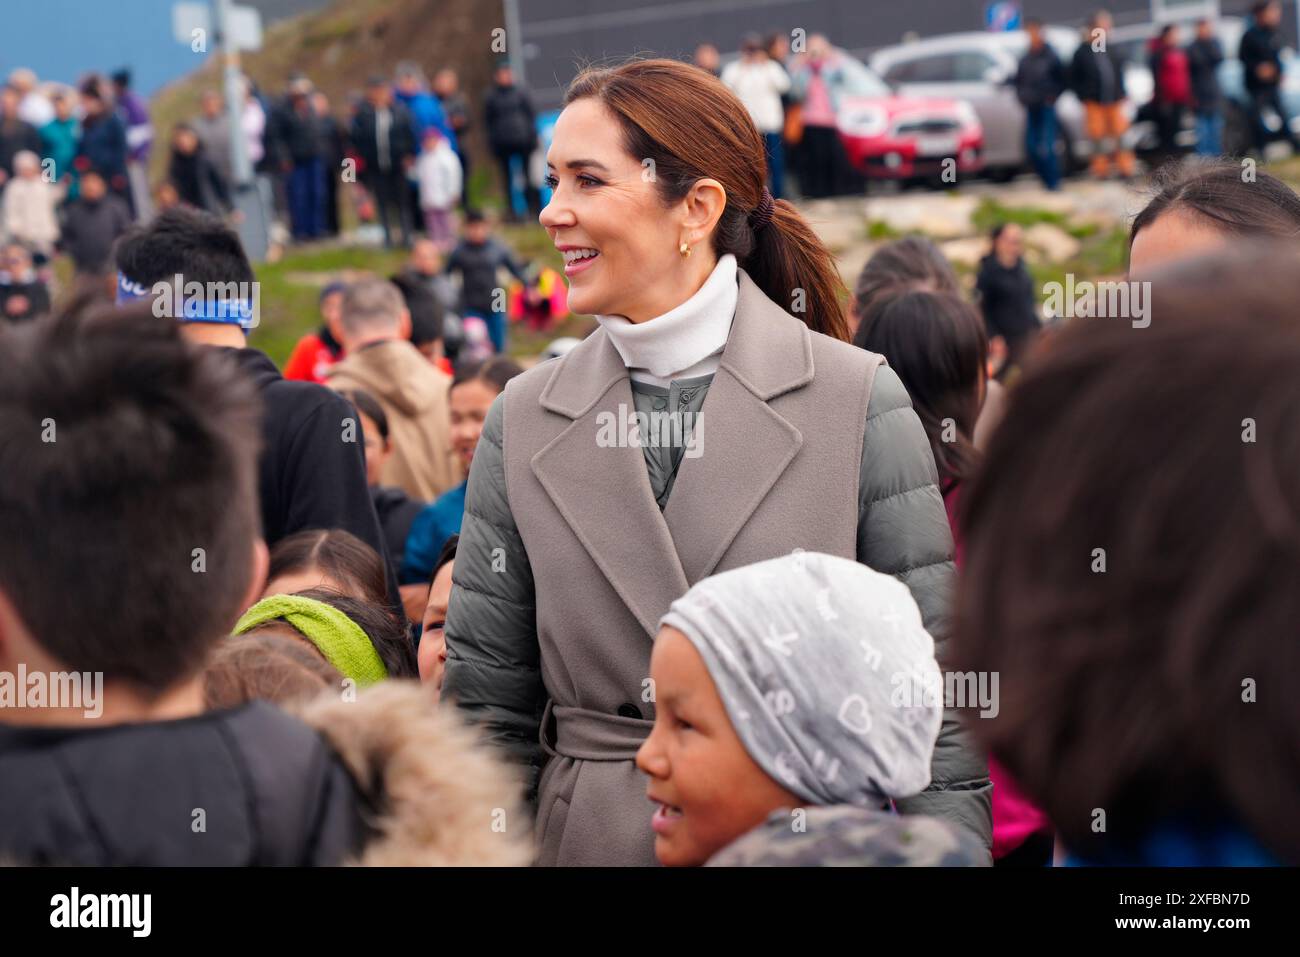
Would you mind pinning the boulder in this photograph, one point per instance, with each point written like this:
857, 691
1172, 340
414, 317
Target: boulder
1052, 241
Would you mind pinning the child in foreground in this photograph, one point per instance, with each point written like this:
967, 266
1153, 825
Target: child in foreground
1136, 591
117, 438
794, 701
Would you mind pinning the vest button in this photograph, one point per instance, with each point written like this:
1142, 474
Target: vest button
629, 711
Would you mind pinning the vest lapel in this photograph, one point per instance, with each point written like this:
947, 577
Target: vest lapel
741, 445
603, 493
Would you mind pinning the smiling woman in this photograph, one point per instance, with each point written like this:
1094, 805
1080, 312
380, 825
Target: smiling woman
714, 300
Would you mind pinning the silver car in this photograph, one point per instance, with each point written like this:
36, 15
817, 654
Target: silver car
979, 68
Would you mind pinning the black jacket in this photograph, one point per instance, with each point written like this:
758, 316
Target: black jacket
511, 122
478, 265
103, 146
425, 308
1087, 79
300, 133
1203, 58
1040, 78
198, 182
334, 143
1007, 298
244, 786
365, 140
397, 511
88, 231
309, 477
16, 136
456, 109
1261, 45
36, 294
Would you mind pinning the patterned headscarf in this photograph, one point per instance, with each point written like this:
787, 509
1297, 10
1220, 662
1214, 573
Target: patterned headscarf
825, 671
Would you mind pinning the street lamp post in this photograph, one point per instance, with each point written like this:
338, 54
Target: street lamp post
252, 220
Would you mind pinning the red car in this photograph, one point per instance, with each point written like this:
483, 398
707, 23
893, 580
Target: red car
888, 136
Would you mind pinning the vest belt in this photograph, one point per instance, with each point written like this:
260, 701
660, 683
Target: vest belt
587, 735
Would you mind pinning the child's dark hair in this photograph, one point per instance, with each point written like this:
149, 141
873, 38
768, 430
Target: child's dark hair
446, 554
369, 406
338, 554
1133, 548
181, 241
1212, 191
937, 344
129, 464
387, 632
474, 215
264, 665
494, 372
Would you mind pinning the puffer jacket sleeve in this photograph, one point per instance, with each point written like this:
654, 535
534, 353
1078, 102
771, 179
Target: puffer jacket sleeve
903, 531
491, 631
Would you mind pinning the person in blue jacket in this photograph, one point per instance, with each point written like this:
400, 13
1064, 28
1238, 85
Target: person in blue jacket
103, 140
412, 91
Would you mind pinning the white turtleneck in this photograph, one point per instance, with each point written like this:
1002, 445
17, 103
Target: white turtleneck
687, 340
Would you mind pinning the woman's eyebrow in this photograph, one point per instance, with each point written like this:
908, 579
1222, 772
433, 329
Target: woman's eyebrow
582, 164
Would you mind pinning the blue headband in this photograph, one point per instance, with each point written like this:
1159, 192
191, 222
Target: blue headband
234, 312
128, 291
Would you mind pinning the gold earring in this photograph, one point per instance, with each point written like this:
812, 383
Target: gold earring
685, 250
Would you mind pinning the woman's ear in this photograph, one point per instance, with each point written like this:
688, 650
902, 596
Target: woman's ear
705, 204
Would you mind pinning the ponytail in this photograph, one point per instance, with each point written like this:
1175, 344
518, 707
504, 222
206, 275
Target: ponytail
794, 269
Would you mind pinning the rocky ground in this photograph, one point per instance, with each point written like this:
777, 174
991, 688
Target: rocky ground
1082, 225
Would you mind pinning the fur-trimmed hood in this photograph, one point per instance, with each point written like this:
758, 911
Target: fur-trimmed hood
440, 796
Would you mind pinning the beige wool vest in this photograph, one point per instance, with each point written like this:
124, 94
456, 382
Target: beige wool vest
775, 468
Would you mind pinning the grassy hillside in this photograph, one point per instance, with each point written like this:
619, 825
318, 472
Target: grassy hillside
342, 44
290, 289
338, 47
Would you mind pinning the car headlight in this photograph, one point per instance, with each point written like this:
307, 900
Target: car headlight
864, 121
967, 115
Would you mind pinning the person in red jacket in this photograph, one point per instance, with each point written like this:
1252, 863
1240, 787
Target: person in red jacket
318, 350
1172, 75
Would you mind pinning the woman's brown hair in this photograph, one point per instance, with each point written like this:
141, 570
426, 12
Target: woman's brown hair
937, 344
338, 554
912, 263
1132, 554
692, 127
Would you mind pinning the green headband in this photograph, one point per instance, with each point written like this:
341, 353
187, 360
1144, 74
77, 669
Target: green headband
335, 635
